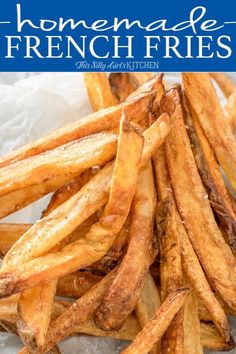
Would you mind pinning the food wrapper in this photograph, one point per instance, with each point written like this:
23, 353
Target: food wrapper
32, 105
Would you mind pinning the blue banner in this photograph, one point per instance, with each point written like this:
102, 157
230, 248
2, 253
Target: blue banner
70, 35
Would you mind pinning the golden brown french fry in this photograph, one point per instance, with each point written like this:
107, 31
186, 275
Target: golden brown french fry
195, 209
99, 91
73, 158
122, 295
88, 200
76, 284
171, 276
79, 312
35, 305
138, 105
190, 262
14, 201
230, 111
147, 305
9, 234
78, 208
121, 85
81, 253
34, 314
157, 326
192, 332
224, 82
205, 103
211, 176
211, 338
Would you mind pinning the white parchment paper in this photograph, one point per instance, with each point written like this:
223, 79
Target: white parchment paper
30, 106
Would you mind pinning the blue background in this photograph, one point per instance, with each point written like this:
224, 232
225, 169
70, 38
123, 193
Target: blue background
146, 11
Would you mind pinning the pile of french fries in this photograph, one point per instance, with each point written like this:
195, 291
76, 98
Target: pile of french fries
139, 237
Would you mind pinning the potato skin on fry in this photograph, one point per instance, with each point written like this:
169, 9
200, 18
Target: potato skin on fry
118, 302
205, 103
211, 176
155, 328
195, 209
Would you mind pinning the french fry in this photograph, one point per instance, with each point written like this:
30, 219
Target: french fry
79, 312
211, 338
171, 277
157, 326
147, 305
99, 92
230, 111
74, 158
121, 85
35, 305
9, 234
106, 119
205, 103
122, 295
195, 209
192, 331
212, 179
224, 82
14, 201
190, 262
85, 251
89, 199
51, 229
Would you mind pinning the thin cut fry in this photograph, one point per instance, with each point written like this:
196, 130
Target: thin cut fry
79, 312
192, 331
212, 179
216, 257
157, 326
211, 338
99, 91
106, 119
73, 158
190, 261
51, 230
122, 295
14, 201
171, 277
224, 82
205, 103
